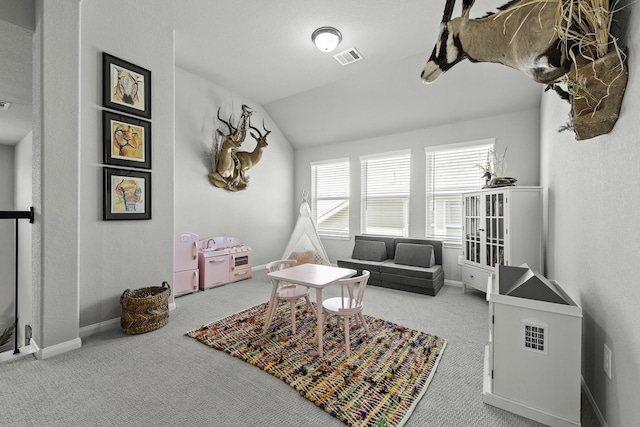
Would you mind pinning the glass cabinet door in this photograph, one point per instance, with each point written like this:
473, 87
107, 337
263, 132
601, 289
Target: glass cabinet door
494, 228
472, 228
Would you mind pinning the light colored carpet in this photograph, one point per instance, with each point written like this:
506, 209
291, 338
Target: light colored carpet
164, 378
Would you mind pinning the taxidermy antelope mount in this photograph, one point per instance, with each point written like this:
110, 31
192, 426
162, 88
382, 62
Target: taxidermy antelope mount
538, 37
228, 165
521, 36
223, 162
247, 160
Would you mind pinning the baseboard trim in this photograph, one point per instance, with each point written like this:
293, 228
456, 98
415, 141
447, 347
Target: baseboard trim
591, 400
456, 283
54, 350
24, 351
108, 325
528, 411
95, 328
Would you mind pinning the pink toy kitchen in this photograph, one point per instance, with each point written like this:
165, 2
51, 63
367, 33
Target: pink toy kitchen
201, 264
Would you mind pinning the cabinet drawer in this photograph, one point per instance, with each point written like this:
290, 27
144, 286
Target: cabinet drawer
475, 277
240, 274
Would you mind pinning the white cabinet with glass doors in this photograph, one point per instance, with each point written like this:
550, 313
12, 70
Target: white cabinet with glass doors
500, 226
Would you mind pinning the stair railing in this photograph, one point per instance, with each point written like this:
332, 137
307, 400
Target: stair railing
17, 215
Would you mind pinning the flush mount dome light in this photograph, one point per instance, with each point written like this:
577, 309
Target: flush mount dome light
326, 39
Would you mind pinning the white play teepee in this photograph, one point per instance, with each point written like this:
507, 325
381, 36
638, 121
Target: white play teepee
305, 245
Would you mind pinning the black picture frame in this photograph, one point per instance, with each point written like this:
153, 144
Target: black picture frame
126, 140
125, 87
127, 194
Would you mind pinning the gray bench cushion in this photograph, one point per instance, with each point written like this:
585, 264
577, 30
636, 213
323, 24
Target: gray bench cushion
390, 267
414, 255
437, 246
367, 250
358, 264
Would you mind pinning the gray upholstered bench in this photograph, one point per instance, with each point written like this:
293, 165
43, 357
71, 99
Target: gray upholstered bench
413, 265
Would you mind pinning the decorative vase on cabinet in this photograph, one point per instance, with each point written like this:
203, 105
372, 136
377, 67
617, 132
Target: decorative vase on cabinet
501, 226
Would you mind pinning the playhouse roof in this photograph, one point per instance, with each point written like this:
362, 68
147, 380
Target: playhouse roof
523, 282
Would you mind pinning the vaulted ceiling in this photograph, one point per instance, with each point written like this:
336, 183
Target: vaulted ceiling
263, 51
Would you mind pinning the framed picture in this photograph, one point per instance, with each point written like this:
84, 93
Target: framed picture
127, 194
126, 87
127, 141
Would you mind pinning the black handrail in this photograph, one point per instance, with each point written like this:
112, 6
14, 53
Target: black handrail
17, 215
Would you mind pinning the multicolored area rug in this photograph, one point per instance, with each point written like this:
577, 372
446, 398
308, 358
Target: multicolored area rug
379, 385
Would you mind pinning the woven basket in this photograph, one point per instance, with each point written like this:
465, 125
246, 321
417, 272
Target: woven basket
145, 309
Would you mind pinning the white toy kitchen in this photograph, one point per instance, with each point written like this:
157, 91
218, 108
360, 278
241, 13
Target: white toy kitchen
223, 260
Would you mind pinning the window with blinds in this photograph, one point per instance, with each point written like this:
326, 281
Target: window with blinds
385, 194
330, 197
450, 172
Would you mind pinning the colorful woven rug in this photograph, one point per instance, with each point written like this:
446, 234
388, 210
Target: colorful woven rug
379, 385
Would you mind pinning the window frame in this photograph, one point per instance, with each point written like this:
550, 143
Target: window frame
366, 199
315, 197
451, 233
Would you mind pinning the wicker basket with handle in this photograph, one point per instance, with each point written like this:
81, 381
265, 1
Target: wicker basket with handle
145, 309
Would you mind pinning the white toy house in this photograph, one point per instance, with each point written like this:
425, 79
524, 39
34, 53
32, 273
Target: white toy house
533, 358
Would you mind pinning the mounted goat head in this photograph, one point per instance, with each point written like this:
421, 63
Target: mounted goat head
520, 36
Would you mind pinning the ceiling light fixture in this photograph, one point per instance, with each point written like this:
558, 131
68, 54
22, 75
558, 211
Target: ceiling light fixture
326, 39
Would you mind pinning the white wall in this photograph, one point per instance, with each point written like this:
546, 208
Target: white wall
262, 215
81, 264
6, 178
23, 197
119, 255
15, 195
89, 262
593, 203
56, 146
7, 238
518, 131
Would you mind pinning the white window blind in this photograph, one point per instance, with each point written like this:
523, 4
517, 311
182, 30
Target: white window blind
385, 194
450, 172
330, 197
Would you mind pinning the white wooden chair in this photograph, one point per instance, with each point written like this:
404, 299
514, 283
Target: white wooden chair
287, 292
348, 305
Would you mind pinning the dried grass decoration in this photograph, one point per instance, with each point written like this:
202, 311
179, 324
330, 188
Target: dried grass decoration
145, 309
598, 76
596, 82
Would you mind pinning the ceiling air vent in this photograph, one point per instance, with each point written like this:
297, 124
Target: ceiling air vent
347, 57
